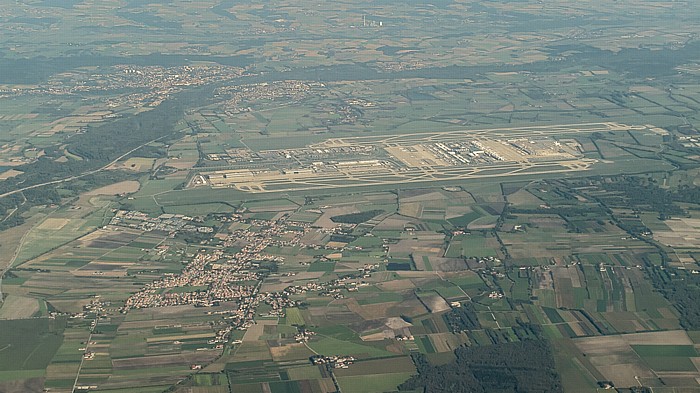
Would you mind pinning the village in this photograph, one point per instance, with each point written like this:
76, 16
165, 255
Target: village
213, 277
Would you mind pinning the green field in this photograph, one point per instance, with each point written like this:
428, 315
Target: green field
661, 351
29, 344
331, 346
202, 196
372, 383
294, 317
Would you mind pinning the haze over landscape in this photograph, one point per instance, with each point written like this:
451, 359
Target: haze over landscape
221, 196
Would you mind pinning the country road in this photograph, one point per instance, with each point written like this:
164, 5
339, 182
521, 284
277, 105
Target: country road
4, 269
88, 173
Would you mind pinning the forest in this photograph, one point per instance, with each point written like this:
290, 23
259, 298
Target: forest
523, 366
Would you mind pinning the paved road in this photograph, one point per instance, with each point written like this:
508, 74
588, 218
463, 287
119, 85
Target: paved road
88, 173
3, 269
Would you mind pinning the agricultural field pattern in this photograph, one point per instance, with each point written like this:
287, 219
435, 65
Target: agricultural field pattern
353, 196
